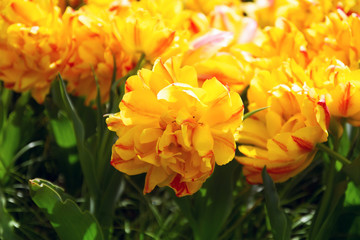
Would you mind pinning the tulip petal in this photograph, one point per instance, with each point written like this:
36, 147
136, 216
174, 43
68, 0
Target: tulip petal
224, 147
131, 167
202, 139
154, 176
140, 107
150, 135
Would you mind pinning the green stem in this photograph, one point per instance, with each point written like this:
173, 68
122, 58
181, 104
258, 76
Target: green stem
296, 180
329, 191
324, 205
333, 154
240, 220
146, 200
354, 140
106, 203
104, 156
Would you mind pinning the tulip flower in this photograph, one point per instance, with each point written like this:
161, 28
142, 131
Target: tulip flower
232, 20
139, 32
340, 85
206, 6
172, 129
91, 53
337, 36
32, 45
284, 136
276, 44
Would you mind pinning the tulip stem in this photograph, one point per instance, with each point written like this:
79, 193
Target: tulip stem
321, 212
334, 154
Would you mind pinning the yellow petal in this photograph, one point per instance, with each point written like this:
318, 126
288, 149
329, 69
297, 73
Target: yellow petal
253, 132
152, 159
155, 176
233, 120
160, 77
253, 152
188, 75
135, 82
215, 90
140, 107
273, 122
183, 188
150, 135
131, 167
224, 147
124, 146
185, 137
323, 116
207, 45
225, 68
181, 93
202, 140
22, 9
279, 146
114, 122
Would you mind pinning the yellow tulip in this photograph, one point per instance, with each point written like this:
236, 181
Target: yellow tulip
139, 32
176, 16
206, 45
340, 85
276, 44
206, 6
232, 20
32, 45
105, 3
302, 13
91, 53
337, 36
209, 54
283, 137
173, 130
345, 97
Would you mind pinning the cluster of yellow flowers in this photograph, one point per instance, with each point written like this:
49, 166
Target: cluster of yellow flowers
306, 72
182, 112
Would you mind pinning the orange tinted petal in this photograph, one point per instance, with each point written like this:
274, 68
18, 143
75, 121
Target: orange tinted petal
224, 147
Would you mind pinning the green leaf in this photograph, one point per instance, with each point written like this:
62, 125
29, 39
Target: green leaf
208, 210
100, 113
63, 131
334, 210
352, 195
71, 111
86, 158
352, 171
113, 189
322, 210
253, 112
15, 134
5, 102
344, 141
279, 221
348, 223
65, 216
354, 230
7, 223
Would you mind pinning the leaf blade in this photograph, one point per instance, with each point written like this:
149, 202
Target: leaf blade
68, 220
280, 223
